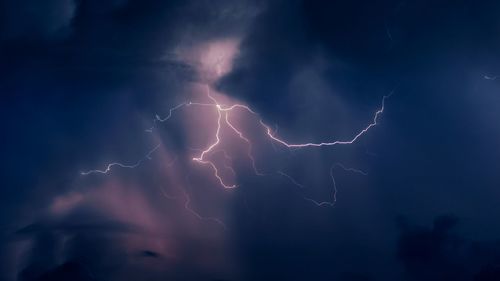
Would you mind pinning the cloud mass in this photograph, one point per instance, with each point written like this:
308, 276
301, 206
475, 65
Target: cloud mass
150, 140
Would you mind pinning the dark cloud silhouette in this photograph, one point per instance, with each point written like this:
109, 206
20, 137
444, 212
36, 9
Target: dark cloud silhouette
67, 271
488, 273
37, 21
149, 254
439, 253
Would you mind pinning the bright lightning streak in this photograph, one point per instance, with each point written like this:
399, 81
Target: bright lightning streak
223, 121
224, 111
201, 157
336, 142
223, 118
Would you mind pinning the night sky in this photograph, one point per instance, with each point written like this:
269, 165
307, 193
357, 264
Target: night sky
113, 167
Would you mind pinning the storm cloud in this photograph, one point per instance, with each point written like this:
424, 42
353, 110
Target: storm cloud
86, 83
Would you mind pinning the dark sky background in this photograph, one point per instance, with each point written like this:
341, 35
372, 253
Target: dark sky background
81, 80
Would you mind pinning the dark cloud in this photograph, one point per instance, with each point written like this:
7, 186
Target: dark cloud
34, 20
80, 81
149, 254
67, 271
489, 273
440, 253
366, 49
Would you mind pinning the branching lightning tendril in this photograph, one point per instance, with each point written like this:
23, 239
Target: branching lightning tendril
130, 166
223, 119
334, 184
187, 207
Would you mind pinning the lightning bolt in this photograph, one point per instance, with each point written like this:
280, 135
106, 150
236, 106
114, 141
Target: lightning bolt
249, 143
331, 143
224, 124
201, 157
223, 119
223, 115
